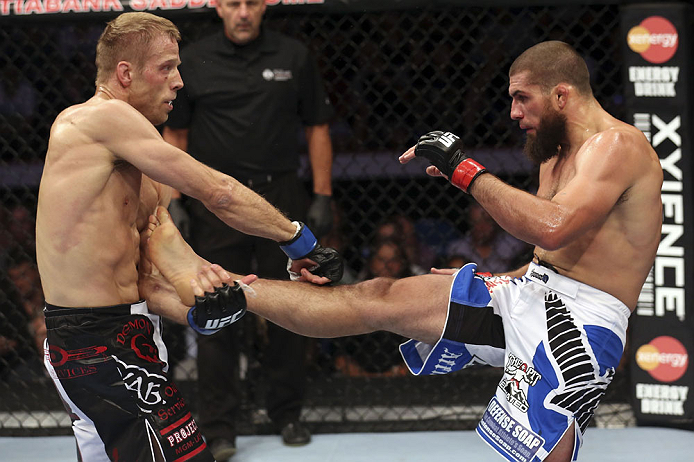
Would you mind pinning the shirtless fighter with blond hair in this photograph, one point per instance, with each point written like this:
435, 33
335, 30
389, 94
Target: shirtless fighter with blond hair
105, 172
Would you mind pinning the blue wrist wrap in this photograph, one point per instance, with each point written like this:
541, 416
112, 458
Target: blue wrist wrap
196, 328
302, 244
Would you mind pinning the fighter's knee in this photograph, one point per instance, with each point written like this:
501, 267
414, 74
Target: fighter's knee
375, 289
371, 301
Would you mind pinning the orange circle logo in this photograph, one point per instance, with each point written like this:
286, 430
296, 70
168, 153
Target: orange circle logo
647, 357
655, 39
664, 358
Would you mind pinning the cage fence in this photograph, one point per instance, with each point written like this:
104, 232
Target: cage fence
392, 76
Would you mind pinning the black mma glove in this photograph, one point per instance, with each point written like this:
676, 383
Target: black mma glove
320, 214
217, 309
444, 150
304, 244
329, 261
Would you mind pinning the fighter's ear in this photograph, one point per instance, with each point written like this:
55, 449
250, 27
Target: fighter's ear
560, 95
124, 71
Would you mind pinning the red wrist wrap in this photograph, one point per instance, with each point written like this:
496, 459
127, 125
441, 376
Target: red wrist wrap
466, 172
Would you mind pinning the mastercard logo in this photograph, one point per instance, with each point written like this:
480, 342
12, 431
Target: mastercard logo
664, 358
655, 39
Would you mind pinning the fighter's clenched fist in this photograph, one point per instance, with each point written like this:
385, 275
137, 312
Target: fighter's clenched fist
445, 152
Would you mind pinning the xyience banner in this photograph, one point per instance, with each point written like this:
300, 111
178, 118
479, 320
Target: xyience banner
657, 57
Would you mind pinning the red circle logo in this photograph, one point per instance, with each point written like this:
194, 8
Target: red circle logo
655, 39
664, 358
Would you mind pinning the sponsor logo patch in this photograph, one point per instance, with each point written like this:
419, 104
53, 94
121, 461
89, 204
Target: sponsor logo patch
544, 277
521, 378
278, 75
664, 358
147, 386
655, 39
507, 436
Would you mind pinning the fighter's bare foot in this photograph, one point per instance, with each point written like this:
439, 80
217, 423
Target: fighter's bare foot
145, 265
172, 255
213, 276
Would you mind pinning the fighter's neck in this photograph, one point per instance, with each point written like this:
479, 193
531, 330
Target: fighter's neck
582, 125
105, 92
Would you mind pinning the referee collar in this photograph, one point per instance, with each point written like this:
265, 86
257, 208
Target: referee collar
266, 42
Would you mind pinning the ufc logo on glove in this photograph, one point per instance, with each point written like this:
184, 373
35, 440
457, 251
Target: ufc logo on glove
210, 312
447, 139
444, 150
223, 322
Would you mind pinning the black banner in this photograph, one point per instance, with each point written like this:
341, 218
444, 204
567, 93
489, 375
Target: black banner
657, 55
38, 8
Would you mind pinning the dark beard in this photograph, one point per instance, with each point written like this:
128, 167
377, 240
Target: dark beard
544, 144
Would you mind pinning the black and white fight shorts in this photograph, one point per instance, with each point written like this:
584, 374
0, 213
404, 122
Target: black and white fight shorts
110, 367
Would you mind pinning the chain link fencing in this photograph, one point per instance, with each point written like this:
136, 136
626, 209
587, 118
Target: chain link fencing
392, 76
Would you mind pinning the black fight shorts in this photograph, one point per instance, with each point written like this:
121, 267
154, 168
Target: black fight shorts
109, 365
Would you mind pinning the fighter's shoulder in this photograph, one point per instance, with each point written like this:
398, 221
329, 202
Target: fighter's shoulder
96, 115
115, 117
620, 140
622, 151
115, 109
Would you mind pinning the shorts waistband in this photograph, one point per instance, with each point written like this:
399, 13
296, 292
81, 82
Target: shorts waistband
126, 308
571, 287
550, 278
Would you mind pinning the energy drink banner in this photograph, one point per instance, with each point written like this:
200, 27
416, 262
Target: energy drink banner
657, 60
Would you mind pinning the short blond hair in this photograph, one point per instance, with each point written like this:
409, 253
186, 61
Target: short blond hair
127, 38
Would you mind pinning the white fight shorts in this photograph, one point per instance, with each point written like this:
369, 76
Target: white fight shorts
558, 340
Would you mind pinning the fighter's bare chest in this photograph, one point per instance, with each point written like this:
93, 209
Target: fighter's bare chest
148, 200
553, 178
126, 189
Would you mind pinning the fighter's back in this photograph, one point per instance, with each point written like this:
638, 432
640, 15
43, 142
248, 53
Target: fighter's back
87, 241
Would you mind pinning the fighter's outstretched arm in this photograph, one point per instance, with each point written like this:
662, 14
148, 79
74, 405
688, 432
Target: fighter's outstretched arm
144, 148
231, 201
414, 307
606, 166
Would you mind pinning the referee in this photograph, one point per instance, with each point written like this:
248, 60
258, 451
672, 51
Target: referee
248, 92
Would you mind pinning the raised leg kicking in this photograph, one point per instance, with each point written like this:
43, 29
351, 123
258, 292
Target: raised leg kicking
412, 307
453, 320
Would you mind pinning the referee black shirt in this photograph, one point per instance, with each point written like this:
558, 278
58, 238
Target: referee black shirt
244, 105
